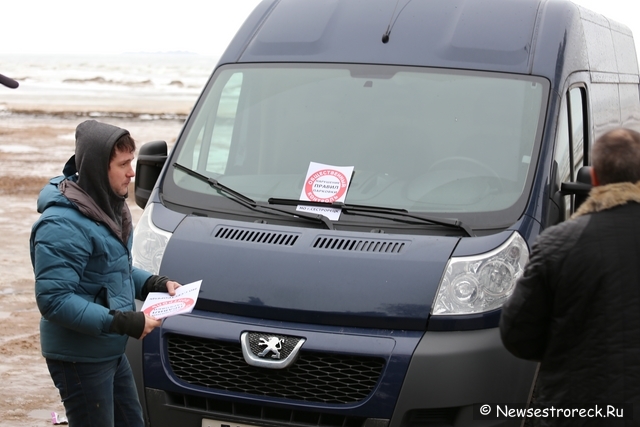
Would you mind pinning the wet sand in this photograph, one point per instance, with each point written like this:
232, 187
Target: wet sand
33, 148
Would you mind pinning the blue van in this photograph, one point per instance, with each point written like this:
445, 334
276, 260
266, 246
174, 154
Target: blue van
465, 127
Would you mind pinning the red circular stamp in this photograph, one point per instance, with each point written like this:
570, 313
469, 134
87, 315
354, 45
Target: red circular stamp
326, 185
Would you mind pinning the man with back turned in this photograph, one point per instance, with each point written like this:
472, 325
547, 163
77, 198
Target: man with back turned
576, 309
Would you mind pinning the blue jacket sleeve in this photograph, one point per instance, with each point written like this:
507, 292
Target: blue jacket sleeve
140, 277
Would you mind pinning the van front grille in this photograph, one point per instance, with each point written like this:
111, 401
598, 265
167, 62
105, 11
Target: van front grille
314, 377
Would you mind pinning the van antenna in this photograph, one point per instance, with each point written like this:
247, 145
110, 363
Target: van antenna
385, 36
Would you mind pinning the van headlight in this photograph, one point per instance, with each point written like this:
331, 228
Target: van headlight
149, 243
481, 283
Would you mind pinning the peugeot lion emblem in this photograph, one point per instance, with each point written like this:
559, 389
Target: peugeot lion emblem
272, 345
270, 350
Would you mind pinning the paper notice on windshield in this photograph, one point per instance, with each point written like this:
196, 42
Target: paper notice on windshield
325, 184
161, 304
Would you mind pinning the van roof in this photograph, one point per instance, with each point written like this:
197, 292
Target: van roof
516, 36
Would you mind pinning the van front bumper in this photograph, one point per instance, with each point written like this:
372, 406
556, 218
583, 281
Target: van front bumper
429, 378
450, 372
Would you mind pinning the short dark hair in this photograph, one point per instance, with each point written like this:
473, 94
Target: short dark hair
616, 156
124, 143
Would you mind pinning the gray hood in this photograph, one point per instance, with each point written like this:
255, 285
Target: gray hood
94, 142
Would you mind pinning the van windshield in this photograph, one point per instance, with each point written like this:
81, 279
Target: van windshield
442, 142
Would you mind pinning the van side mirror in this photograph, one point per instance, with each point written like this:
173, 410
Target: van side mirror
581, 188
151, 159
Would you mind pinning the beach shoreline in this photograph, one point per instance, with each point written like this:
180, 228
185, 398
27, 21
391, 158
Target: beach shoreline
95, 107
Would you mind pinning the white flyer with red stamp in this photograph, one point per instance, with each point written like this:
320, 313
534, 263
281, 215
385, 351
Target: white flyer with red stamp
161, 304
325, 184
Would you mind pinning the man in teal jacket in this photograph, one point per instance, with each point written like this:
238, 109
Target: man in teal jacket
86, 284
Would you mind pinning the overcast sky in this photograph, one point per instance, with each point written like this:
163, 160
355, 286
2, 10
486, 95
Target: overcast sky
200, 26
117, 26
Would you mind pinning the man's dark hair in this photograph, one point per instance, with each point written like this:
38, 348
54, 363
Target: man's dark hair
616, 156
124, 143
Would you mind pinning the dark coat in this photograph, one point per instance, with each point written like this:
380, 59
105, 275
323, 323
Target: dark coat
576, 309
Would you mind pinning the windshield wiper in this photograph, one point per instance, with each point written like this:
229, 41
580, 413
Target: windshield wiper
249, 202
215, 184
403, 213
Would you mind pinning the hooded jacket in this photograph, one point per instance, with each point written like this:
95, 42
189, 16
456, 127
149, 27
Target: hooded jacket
576, 309
81, 255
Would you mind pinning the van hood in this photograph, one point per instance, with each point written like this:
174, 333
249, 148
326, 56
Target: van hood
309, 275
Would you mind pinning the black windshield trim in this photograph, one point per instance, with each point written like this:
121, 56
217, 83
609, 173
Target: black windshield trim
380, 210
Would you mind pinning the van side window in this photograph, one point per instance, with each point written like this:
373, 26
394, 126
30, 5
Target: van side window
570, 145
577, 112
563, 158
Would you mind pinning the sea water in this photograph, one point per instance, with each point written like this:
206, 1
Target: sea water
136, 83
148, 94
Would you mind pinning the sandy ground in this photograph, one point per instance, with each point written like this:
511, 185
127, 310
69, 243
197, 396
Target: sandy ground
34, 148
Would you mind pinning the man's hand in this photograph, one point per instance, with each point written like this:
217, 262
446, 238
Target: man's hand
150, 323
172, 286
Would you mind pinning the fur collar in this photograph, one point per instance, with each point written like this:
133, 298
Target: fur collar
609, 196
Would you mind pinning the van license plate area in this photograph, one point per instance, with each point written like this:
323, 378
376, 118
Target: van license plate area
206, 422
